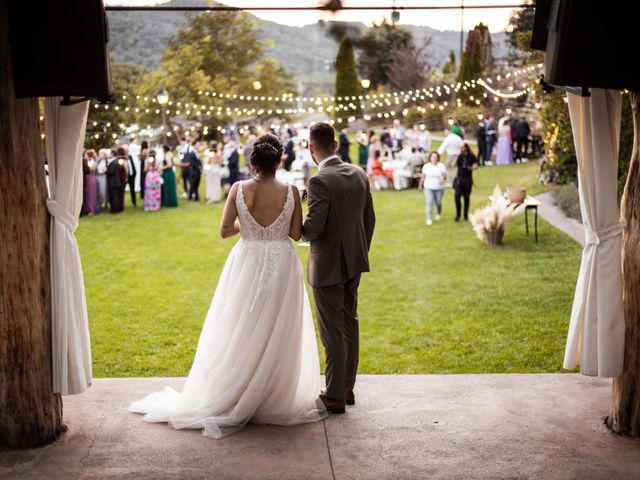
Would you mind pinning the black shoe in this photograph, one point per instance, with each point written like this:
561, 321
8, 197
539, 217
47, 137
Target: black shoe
332, 406
457, 219
349, 397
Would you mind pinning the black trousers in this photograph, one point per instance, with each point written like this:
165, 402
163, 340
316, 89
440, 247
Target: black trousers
132, 189
488, 149
482, 148
194, 183
337, 313
185, 181
521, 147
463, 192
143, 177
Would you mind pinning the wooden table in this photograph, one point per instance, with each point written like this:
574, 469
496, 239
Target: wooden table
531, 203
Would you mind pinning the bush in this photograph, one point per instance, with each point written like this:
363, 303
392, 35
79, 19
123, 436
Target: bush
567, 198
560, 166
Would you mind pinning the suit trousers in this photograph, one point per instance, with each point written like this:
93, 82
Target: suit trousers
194, 184
132, 188
336, 309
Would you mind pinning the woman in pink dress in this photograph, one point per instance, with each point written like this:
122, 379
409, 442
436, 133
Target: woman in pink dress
504, 154
89, 165
152, 183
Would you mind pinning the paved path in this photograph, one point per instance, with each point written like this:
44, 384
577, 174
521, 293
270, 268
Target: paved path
556, 217
403, 427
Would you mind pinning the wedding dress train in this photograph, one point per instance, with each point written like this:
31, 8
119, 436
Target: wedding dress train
257, 357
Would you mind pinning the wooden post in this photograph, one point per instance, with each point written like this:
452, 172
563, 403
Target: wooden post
30, 413
624, 416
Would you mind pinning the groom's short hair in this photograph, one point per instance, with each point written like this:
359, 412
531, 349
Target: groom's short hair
323, 136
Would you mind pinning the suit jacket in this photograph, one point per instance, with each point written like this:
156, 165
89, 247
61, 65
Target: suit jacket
339, 224
195, 165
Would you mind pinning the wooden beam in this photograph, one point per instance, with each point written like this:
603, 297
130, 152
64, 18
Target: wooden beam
30, 413
624, 415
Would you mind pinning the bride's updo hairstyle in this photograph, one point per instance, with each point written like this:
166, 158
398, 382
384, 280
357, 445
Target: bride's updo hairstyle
266, 154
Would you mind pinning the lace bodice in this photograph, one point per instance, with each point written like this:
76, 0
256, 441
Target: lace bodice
250, 229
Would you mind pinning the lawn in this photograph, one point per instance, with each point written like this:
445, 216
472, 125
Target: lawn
437, 300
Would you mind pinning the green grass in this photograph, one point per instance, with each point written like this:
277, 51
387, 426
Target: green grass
437, 300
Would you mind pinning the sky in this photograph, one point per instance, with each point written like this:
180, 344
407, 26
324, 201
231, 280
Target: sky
496, 19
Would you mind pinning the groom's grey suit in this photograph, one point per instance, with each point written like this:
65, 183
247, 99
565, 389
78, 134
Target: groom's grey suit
339, 226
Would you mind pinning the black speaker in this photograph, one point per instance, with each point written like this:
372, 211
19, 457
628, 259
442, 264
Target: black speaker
589, 43
59, 48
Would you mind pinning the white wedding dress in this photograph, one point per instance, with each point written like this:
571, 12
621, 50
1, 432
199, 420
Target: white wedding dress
257, 357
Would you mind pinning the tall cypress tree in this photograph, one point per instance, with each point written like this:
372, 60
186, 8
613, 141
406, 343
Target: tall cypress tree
476, 59
347, 83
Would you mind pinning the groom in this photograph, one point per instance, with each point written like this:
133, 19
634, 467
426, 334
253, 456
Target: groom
339, 226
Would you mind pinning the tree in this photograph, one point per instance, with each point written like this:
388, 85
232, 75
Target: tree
347, 83
476, 59
450, 68
410, 68
376, 48
30, 413
104, 123
228, 43
519, 32
624, 414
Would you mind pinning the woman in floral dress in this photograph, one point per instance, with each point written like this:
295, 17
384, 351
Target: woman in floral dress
152, 183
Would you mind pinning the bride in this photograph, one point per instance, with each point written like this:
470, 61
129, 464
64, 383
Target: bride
257, 357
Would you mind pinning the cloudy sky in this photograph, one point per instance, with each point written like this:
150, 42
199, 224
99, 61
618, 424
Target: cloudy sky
496, 19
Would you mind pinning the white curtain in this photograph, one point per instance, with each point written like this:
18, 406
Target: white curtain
65, 130
596, 331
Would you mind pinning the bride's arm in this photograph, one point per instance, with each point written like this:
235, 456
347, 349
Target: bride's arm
295, 231
229, 225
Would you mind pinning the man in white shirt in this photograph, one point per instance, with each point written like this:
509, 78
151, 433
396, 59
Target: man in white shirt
451, 144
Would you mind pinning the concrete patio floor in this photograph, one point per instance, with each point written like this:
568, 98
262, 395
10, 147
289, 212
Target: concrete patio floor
403, 427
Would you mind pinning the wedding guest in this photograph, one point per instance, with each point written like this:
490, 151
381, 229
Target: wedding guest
116, 180
101, 180
491, 137
144, 151
375, 145
289, 154
451, 145
232, 160
521, 135
504, 155
434, 175
194, 171
363, 149
248, 146
463, 183
399, 134
169, 190
184, 167
131, 178
424, 140
380, 180
481, 140
89, 165
152, 183
343, 147
213, 181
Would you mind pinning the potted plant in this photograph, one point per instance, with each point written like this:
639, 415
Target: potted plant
489, 222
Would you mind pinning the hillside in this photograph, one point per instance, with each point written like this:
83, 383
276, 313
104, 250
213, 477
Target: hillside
307, 52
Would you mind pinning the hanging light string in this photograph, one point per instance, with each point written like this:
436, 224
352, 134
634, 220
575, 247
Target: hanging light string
322, 103
205, 129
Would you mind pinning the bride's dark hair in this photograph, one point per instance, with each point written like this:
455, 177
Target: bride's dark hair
266, 154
